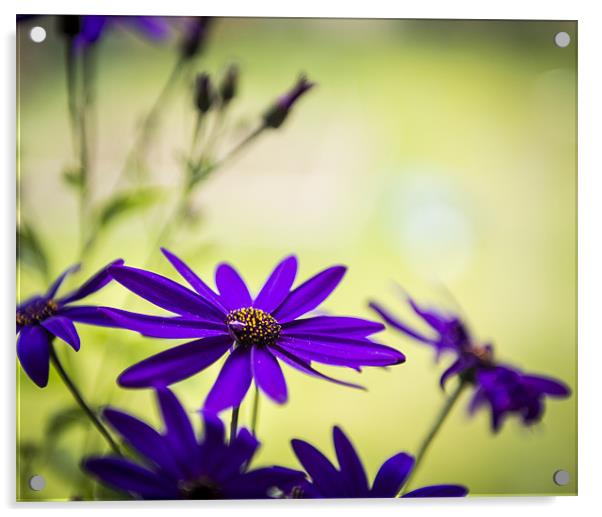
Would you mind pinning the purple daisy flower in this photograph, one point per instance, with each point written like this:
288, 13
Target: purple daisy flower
176, 465
41, 318
350, 480
259, 332
504, 388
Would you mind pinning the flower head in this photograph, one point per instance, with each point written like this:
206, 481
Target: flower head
195, 35
41, 318
504, 388
259, 332
176, 465
229, 85
350, 480
85, 31
204, 94
278, 112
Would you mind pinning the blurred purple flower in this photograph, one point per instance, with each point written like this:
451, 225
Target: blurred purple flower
504, 388
42, 318
278, 112
176, 465
350, 480
85, 31
258, 332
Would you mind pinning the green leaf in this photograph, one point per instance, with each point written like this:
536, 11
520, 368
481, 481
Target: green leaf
73, 177
126, 203
30, 250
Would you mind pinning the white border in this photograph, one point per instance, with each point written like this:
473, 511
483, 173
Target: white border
590, 250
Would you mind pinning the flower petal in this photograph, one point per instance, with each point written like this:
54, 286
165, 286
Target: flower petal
123, 474
64, 329
193, 279
179, 433
334, 326
237, 456
232, 382
351, 466
257, 484
310, 294
165, 327
164, 293
175, 364
397, 324
304, 366
87, 314
438, 491
57, 283
341, 351
277, 286
232, 288
143, 438
392, 475
33, 350
547, 385
268, 374
95, 283
327, 479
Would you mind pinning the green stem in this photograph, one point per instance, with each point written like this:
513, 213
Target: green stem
441, 417
234, 423
80, 400
255, 414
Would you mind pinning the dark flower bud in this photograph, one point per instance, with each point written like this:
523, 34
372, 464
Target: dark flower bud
278, 112
203, 93
194, 37
70, 25
229, 85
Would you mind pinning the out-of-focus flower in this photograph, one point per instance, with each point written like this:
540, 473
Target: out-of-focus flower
278, 112
42, 318
259, 332
176, 465
204, 94
195, 36
504, 388
84, 31
350, 480
229, 85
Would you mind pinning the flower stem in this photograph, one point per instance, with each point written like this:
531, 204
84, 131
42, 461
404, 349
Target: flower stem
80, 400
234, 423
255, 414
441, 417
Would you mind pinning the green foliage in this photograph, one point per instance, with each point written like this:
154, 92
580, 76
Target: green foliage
30, 250
126, 203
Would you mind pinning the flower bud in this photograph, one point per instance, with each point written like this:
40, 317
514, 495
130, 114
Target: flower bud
203, 93
194, 37
229, 85
69, 25
278, 112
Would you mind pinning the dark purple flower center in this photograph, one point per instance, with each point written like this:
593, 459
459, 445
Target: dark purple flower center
253, 327
36, 311
201, 488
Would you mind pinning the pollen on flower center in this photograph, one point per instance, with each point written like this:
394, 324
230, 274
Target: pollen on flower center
253, 327
36, 311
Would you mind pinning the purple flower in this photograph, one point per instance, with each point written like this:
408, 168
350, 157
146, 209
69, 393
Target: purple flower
505, 389
350, 480
42, 318
85, 31
259, 332
278, 112
508, 391
176, 465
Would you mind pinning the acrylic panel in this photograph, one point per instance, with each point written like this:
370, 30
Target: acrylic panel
295, 258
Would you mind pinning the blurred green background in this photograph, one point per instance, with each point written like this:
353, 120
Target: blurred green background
440, 155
